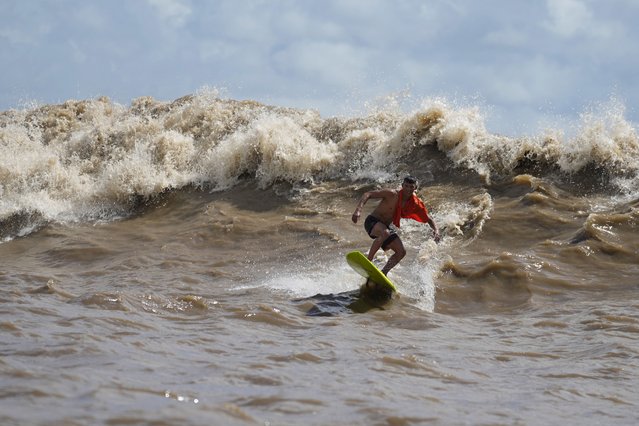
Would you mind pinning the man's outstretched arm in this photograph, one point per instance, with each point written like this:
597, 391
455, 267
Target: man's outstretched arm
432, 224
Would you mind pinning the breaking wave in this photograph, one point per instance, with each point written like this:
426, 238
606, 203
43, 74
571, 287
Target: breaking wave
98, 160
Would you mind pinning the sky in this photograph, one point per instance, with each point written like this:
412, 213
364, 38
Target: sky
525, 63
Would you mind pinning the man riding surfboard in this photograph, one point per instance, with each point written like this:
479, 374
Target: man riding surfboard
395, 204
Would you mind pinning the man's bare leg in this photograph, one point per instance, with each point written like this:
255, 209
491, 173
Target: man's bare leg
380, 232
377, 244
398, 254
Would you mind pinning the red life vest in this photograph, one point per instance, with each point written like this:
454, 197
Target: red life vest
414, 209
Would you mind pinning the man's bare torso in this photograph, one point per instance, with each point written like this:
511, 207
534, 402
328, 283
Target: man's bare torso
385, 210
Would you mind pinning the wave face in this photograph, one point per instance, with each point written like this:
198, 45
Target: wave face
97, 160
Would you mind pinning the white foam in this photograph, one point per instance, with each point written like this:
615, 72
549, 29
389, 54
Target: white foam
270, 148
319, 280
83, 159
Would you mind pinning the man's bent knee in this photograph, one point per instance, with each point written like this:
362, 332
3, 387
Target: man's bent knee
383, 235
401, 253
398, 249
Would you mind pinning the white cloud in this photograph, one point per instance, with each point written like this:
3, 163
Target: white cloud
15, 32
211, 50
16, 36
76, 52
301, 23
531, 81
568, 17
509, 37
91, 17
573, 18
173, 12
332, 63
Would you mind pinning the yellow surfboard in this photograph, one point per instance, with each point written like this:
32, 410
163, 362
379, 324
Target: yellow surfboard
367, 269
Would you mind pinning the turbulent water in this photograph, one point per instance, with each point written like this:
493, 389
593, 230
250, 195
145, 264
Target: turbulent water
183, 263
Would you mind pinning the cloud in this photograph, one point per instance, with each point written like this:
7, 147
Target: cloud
213, 50
174, 12
530, 82
91, 17
573, 18
16, 36
14, 30
567, 17
332, 63
508, 36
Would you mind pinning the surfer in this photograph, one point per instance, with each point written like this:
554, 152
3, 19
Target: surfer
394, 205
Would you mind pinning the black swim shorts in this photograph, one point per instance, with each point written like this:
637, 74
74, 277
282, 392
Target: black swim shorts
370, 222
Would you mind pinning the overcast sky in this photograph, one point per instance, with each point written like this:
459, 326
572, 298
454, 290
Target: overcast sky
524, 62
